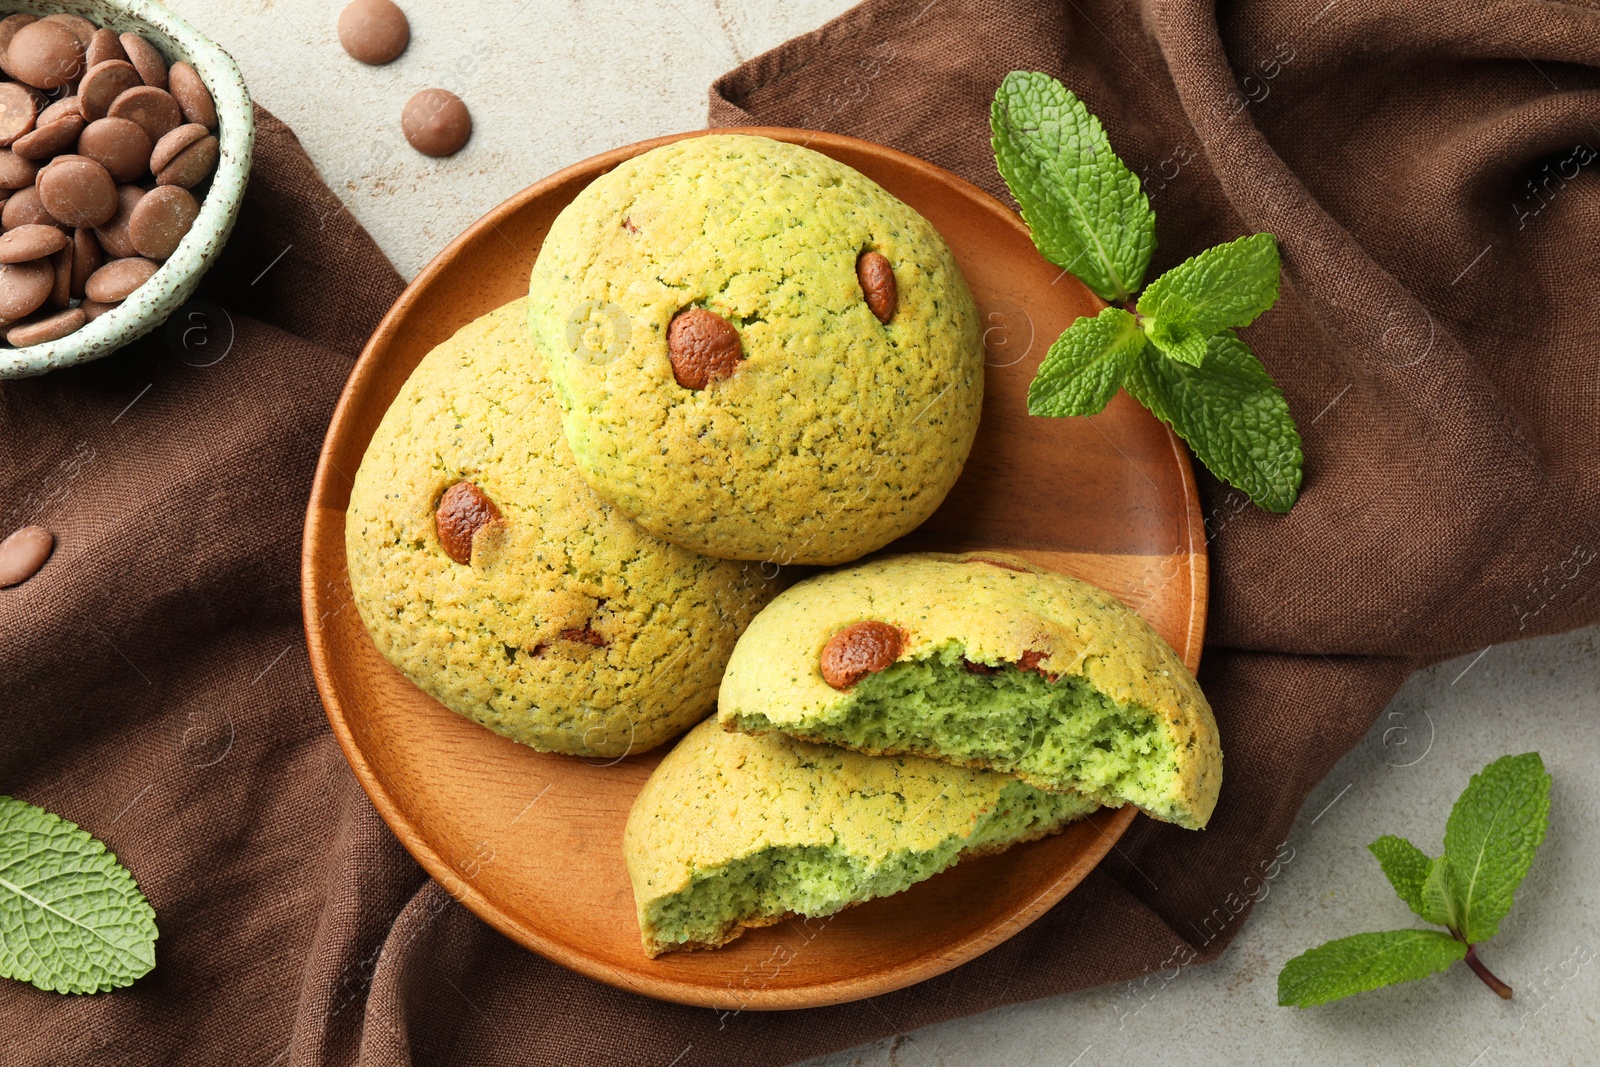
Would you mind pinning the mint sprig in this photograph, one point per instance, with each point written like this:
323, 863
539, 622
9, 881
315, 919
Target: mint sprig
1489, 842
1173, 347
71, 918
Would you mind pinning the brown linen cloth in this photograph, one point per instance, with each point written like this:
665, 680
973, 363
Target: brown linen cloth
1431, 176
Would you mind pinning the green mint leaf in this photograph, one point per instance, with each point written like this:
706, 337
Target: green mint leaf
1491, 836
1365, 961
1085, 367
1231, 414
1406, 867
71, 918
1086, 210
1222, 288
1439, 903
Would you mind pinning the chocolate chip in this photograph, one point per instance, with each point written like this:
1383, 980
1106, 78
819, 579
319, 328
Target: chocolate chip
703, 346
24, 209
93, 309
167, 149
103, 84
16, 172
81, 27
23, 553
877, 284
161, 219
24, 287
61, 290
1030, 662
113, 236
50, 328
193, 98
18, 109
86, 259
974, 667
373, 31
860, 649
120, 146
152, 108
25, 243
61, 109
49, 139
585, 636
45, 55
191, 166
464, 509
78, 191
436, 122
102, 46
8, 30
117, 279
146, 60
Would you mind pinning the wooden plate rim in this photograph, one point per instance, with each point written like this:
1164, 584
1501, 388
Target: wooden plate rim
1111, 824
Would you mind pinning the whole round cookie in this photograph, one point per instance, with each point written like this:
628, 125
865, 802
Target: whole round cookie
490, 574
762, 354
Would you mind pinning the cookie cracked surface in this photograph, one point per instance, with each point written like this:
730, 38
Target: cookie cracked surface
567, 627
834, 433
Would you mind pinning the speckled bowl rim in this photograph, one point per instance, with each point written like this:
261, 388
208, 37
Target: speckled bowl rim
166, 291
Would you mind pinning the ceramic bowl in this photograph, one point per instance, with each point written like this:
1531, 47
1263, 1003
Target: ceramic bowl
150, 304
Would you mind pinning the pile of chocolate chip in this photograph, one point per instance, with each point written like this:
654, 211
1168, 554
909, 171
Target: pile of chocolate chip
101, 143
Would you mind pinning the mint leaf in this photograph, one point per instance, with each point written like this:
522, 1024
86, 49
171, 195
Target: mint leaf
1086, 210
1438, 896
1490, 838
1222, 288
71, 918
1365, 961
1230, 413
1407, 867
1085, 367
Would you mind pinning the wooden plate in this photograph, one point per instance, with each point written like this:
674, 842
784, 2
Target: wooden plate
533, 843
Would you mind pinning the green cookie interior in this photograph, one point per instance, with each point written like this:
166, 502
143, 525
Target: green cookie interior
819, 880
1058, 735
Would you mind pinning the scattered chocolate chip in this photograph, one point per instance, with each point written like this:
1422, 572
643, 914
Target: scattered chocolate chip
463, 510
145, 59
193, 98
974, 667
860, 649
436, 122
373, 31
50, 328
117, 279
703, 346
45, 55
1030, 661
23, 553
26, 243
877, 284
18, 109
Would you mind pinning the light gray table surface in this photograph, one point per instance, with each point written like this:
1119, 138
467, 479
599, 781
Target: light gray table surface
551, 82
